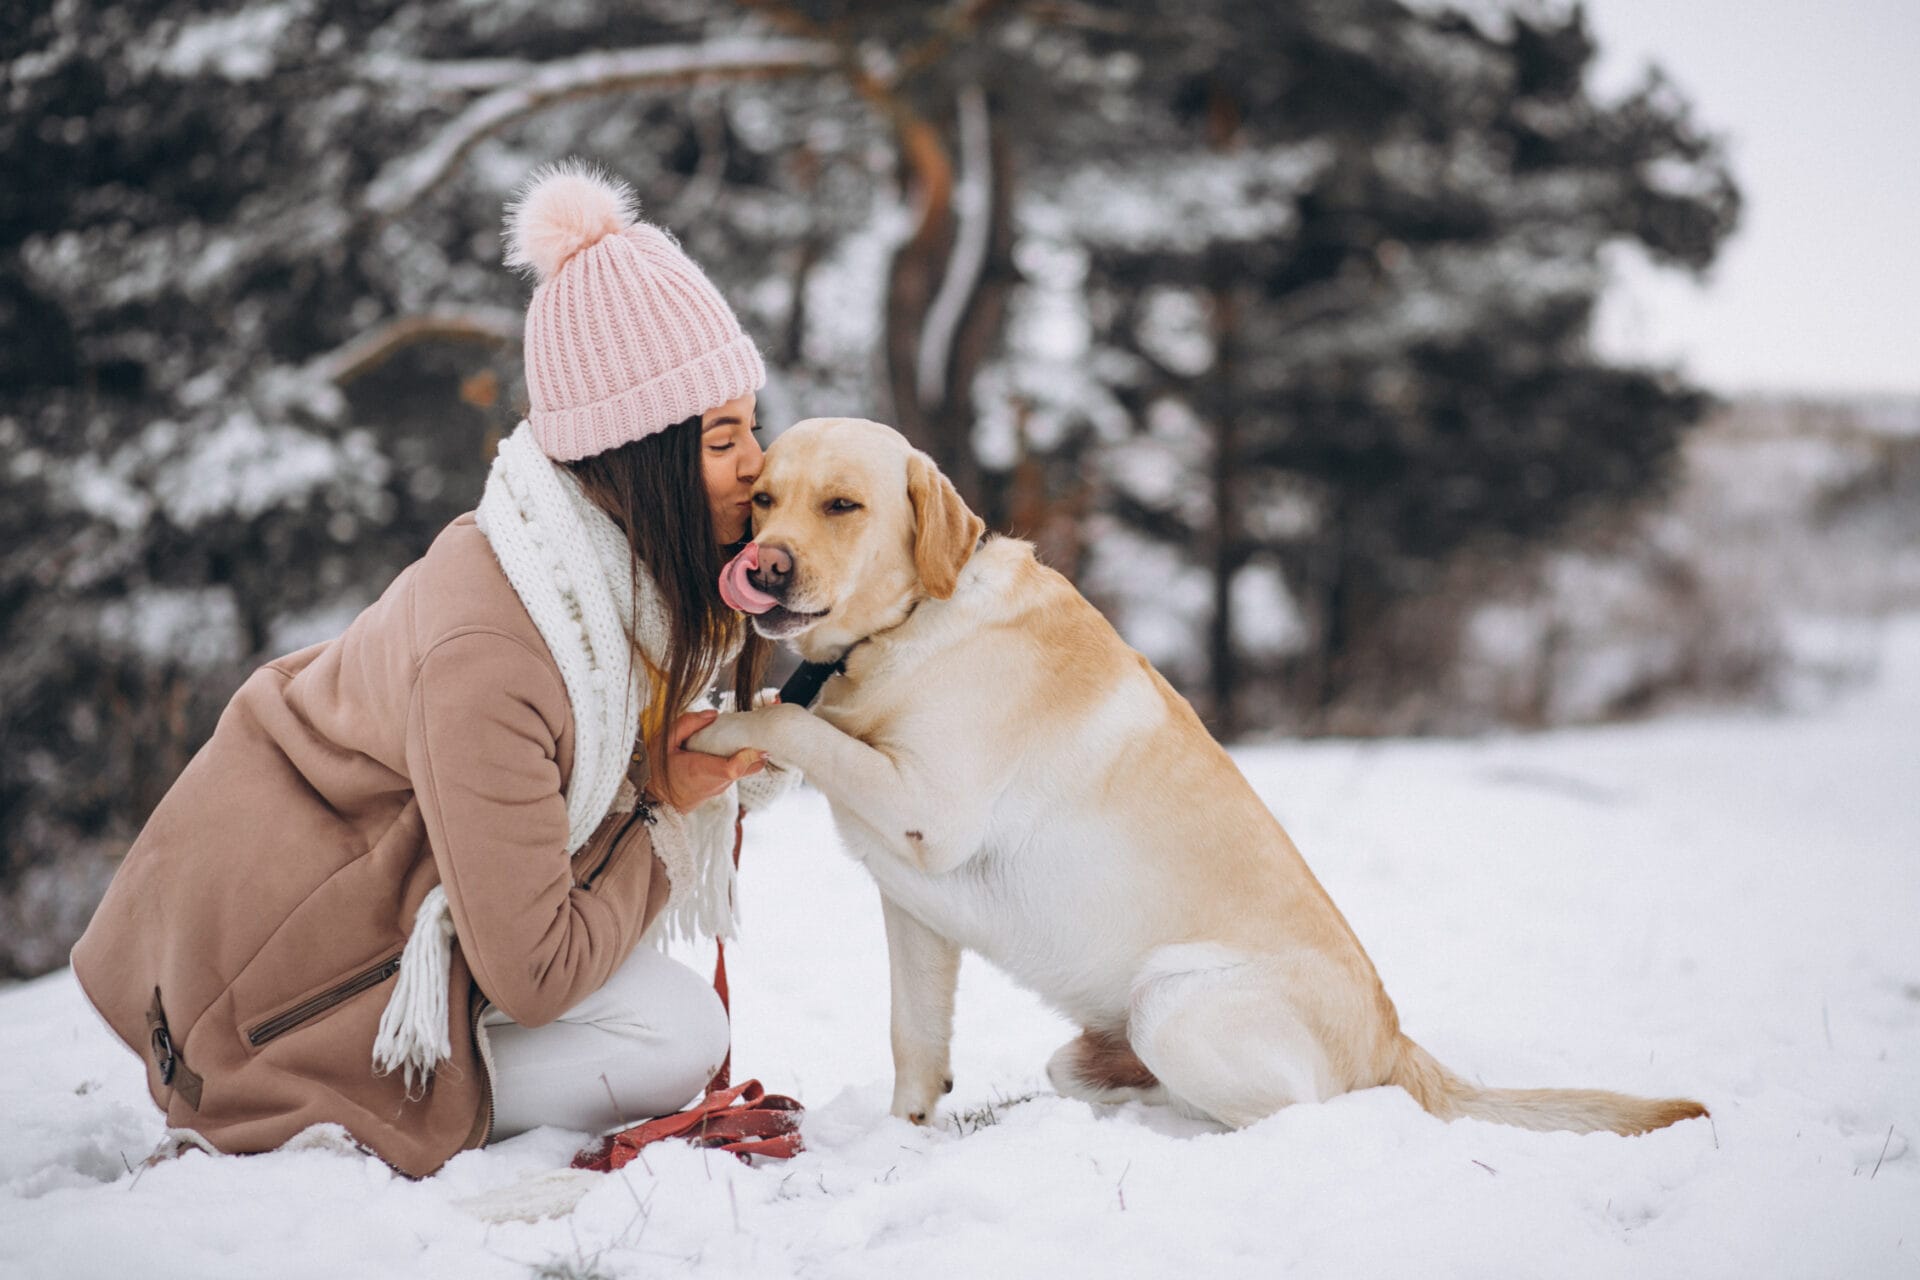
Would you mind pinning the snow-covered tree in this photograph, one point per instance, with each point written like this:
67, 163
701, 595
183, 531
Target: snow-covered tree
258, 334
1317, 280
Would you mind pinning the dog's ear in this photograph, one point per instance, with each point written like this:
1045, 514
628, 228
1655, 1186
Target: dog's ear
944, 531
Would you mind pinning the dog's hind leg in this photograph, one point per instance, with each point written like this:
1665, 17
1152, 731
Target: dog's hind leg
1217, 1028
1100, 1066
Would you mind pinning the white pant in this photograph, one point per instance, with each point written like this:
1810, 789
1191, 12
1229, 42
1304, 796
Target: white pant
642, 1045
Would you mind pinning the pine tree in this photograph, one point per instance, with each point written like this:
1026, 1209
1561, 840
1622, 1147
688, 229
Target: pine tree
1339, 265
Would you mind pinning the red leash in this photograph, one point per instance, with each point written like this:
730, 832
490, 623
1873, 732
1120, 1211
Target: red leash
744, 1119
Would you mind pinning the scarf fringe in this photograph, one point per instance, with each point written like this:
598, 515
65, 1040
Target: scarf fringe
697, 850
414, 1033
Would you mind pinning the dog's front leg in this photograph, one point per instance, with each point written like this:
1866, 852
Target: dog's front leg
935, 823
925, 969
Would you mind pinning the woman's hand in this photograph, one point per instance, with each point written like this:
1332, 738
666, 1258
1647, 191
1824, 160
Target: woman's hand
686, 778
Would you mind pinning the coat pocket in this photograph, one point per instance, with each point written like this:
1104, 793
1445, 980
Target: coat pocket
315, 1005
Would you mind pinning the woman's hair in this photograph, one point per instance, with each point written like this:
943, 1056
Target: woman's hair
652, 489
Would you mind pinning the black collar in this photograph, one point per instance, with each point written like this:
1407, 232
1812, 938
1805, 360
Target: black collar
803, 686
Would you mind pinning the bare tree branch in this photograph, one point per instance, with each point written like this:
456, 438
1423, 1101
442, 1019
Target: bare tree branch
364, 354
405, 180
958, 25
452, 75
1068, 13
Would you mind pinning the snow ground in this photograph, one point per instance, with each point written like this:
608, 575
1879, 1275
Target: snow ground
1725, 906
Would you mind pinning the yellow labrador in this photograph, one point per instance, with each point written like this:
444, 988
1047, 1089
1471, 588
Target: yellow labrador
1022, 784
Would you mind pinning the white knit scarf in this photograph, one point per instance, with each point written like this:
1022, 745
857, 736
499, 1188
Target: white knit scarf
573, 570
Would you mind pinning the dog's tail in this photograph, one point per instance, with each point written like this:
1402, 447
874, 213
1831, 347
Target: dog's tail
1449, 1097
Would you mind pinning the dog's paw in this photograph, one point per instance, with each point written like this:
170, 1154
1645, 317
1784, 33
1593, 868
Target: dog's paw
764, 728
914, 1102
732, 731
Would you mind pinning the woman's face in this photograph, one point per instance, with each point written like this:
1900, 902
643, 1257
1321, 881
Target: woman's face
729, 464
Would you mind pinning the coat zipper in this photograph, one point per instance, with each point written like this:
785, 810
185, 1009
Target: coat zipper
594, 874
281, 1023
644, 813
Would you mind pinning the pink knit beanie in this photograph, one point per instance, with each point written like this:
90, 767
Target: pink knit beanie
625, 334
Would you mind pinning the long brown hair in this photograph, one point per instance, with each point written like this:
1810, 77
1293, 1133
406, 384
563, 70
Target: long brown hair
653, 490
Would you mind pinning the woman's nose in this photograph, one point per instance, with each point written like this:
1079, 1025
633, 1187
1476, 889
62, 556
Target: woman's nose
751, 456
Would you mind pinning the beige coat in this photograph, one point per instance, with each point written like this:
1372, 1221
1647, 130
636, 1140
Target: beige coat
247, 946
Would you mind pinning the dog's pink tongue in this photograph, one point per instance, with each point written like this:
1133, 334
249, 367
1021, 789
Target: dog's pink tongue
735, 587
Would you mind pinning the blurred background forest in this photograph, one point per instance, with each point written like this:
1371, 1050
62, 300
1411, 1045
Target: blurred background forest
1270, 323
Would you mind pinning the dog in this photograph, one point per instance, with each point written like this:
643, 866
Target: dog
1021, 784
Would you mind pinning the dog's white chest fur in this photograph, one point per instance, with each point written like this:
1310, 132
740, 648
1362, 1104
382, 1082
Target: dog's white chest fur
1045, 893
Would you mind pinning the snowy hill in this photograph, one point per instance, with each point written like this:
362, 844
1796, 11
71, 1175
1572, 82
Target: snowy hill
1720, 906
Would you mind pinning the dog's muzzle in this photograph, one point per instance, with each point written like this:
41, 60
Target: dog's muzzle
756, 581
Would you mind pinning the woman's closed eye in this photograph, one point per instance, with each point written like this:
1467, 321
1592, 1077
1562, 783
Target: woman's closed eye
725, 444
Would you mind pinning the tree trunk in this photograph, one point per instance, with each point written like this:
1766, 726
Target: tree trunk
1225, 554
914, 275
975, 341
947, 287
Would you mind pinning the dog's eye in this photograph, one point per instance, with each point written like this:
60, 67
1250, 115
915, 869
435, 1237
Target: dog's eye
762, 500
840, 506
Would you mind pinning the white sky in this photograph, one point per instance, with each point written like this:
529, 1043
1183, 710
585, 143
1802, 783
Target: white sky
1819, 289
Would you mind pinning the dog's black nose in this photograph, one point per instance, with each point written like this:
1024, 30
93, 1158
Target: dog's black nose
775, 573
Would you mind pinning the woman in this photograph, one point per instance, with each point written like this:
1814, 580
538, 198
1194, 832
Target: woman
400, 888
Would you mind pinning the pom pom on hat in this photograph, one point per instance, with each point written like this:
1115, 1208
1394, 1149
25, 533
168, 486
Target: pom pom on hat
560, 210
